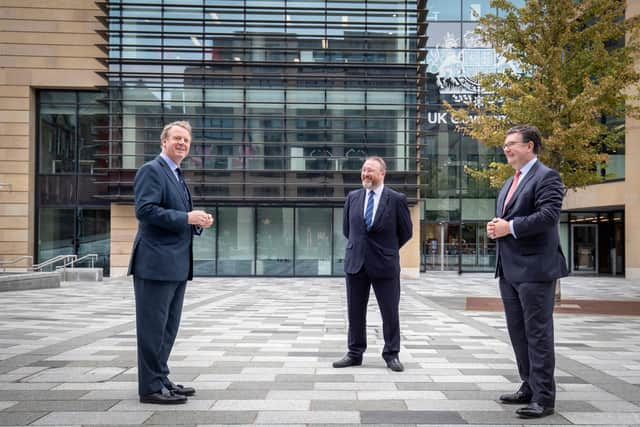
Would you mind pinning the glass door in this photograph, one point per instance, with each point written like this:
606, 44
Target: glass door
584, 238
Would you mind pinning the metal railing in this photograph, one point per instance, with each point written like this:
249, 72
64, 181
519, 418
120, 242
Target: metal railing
71, 263
64, 258
4, 264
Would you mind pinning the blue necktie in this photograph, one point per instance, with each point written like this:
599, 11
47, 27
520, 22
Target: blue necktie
368, 213
182, 183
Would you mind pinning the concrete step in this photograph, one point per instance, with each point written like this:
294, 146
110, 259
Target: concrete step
81, 274
31, 280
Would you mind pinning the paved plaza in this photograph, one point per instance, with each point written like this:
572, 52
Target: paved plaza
259, 351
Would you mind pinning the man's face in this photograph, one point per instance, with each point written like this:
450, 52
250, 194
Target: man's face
517, 152
372, 174
176, 144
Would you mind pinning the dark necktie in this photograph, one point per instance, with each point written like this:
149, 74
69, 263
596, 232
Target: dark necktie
368, 213
183, 184
512, 190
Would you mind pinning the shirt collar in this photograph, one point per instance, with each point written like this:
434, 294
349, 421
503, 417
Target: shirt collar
377, 190
170, 162
527, 166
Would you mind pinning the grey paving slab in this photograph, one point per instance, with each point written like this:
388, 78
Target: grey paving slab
414, 417
358, 405
259, 351
19, 418
202, 417
109, 417
62, 405
308, 417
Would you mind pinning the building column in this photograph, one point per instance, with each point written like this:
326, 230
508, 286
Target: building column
124, 226
410, 252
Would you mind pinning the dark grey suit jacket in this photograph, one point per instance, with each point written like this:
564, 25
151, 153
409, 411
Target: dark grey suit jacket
536, 255
377, 249
162, 249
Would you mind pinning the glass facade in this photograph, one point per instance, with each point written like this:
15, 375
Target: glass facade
72, 212
286, 99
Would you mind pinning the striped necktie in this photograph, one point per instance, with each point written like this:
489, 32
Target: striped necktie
368, 213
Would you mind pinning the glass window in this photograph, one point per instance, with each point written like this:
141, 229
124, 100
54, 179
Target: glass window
313, 241
204, 248
473, 10
443, 10
235, 241
444, 35
274, 240
56, 231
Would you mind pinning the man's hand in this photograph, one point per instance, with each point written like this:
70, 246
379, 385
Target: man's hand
200, 218
497, 228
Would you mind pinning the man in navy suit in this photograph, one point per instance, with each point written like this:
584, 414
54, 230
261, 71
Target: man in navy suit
162, 262
376, 223
529, 260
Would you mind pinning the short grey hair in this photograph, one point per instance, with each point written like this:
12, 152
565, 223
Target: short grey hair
378, 159
181, 123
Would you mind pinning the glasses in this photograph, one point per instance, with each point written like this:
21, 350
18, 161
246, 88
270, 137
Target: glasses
512, 143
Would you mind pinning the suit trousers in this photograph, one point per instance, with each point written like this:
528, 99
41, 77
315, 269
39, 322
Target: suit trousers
387, 293
158, 312
528, 309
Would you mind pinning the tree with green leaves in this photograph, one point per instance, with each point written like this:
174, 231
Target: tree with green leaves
575, 63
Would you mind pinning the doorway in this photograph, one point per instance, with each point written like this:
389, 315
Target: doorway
584, 238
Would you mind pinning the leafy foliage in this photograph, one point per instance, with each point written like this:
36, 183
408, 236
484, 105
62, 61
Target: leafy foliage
575, 71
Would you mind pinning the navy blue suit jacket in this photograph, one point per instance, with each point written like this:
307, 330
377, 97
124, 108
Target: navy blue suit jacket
536, 255
377, 249
162, 249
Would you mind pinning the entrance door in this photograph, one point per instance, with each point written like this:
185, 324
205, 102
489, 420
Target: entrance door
584, 238
74, 231
441, 248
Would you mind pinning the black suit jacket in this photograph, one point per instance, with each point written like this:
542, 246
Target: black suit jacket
377, 249
536, 255
162, 249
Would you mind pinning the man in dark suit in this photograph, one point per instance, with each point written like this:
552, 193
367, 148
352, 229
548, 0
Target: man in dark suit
376, 222
529, 260
161, 262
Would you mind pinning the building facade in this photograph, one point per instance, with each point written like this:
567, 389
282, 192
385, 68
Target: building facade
286, 99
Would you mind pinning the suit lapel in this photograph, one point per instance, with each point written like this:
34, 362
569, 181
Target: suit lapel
382, 204
502, 196
174, 182
360, 204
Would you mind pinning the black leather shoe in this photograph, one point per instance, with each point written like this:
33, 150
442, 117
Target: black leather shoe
181, 390
395, 365
534, 410
515, 398
163, 397
347, 361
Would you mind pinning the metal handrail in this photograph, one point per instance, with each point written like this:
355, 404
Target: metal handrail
71, 263
63, 258
3, 264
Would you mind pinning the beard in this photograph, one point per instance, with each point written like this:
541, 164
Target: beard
367, 183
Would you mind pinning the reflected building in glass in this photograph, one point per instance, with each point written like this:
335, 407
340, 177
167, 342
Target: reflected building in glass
286, 98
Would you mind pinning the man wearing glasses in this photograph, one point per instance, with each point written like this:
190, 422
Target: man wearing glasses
529, 260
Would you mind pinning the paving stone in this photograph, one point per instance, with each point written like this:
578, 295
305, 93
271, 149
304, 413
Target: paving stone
358, 405
19, 418
411, 417
307, 417
203, 417
259, 350
109, 417
63, 405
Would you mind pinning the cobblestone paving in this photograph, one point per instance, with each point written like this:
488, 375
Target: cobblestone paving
259, 351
